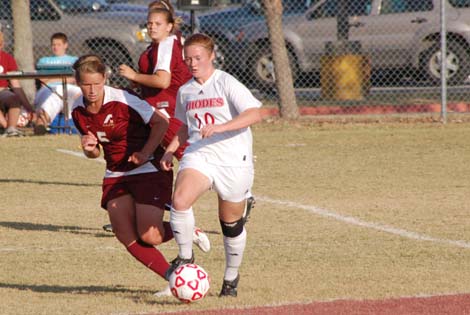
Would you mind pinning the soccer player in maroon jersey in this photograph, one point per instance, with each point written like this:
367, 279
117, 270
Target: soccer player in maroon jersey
161, 67
129, 132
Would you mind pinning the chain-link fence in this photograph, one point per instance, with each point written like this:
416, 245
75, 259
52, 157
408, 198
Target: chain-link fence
371, 56
374, 56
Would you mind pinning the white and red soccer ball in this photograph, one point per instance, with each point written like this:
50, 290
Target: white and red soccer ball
189, 283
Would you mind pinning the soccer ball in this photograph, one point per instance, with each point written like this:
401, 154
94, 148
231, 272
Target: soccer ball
189, 283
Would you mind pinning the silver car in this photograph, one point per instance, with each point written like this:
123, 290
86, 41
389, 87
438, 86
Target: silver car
395, 34
91, 26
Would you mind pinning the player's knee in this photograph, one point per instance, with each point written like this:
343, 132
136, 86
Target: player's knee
232, 229
151, 238
180, 201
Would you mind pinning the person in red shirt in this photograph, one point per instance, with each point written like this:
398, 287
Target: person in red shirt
129, 131
161, 67
12, 96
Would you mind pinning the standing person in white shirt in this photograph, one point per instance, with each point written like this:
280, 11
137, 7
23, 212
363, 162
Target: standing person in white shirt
216, 111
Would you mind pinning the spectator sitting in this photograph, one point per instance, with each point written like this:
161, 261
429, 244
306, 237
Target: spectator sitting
48, 101
12, 96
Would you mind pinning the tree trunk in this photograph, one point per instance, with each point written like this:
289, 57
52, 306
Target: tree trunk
23, 49
282, 69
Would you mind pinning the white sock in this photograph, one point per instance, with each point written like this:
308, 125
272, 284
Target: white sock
234, 248
182, 224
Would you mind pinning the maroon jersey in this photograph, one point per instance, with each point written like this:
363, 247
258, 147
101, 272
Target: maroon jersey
166, 56
7, 63
121, 129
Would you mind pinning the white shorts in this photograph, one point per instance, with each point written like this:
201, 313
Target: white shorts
51, 103
230, 182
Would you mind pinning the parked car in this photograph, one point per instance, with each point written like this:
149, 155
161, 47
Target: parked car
223, 24
395, 34
92, 26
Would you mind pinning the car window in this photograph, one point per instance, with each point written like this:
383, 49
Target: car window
460, 3
354, 8
81, 6
403, 6
288, 6
5, 10
42, 10
293, 6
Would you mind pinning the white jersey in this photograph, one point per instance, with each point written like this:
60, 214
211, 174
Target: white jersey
217, 101
165, 53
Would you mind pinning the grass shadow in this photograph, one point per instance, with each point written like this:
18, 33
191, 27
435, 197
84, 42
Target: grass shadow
42, 182
132, 294
27, 226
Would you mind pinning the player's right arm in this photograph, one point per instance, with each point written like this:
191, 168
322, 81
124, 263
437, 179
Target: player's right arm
160, 79
90, 145
166, 163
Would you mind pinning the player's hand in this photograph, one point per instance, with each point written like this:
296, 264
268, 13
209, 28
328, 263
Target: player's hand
209, 130
166, 163
127, 72
138, 158
89, 142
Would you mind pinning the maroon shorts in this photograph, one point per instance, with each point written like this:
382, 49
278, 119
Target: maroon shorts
149, 188
173, 128
8, 100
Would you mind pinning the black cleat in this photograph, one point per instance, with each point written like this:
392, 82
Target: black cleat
175, 263
229, 288
250, 204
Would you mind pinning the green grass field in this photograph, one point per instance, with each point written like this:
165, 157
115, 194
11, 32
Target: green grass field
394, 198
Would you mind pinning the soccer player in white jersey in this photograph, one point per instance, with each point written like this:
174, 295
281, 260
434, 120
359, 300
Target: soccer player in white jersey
216, 111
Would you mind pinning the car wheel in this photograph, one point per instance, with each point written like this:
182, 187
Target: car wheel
262, 68
457, 63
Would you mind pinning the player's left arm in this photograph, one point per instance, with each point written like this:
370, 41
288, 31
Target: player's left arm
245, 119
242, 100
159, 124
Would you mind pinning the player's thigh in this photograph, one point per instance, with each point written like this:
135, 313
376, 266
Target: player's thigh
121, 211
193, 179
153, 188
151, 191
190, 185
232, 185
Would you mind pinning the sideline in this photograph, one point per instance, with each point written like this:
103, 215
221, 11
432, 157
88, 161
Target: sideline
343, 218
359, 222
80, 154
